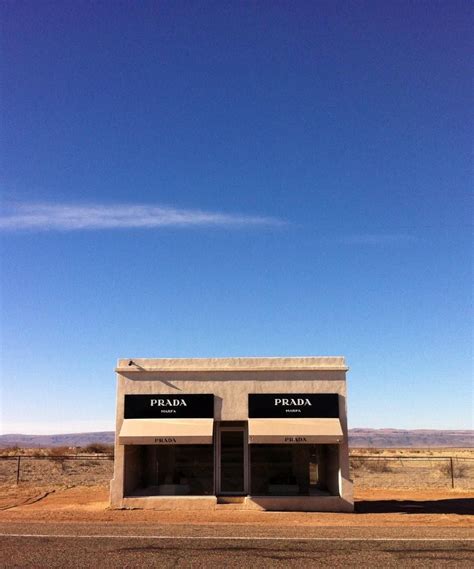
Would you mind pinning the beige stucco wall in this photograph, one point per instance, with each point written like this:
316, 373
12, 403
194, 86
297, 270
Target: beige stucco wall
231, 380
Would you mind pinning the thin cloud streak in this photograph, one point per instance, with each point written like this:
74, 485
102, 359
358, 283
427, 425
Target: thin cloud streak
63, 217
378, 239
369, 239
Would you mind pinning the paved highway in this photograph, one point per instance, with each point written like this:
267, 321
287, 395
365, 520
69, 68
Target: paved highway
42, 545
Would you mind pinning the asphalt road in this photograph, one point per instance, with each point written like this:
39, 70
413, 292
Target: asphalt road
42, 545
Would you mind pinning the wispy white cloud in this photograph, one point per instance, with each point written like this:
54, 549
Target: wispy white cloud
377, 239
64, 217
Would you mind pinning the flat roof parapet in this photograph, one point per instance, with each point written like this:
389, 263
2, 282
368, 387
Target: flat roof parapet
323, 363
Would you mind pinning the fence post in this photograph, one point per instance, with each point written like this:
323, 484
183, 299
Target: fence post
18, 470
452, 471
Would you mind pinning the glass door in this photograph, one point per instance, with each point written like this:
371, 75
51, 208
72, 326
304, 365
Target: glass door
232, 472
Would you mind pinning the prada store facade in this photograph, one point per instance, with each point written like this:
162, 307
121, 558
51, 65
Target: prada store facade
257, 433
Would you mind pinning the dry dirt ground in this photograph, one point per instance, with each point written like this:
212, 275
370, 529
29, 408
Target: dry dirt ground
375, 507
389, 492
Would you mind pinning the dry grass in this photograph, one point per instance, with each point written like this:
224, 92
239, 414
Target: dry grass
460, 470
414, 452
98, 448
58, 451
386, 468
378, 466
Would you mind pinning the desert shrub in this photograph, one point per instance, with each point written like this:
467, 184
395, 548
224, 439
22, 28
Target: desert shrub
59, 451
11, 450
356, 463
98, 448
460, 470
38, 452
378, 466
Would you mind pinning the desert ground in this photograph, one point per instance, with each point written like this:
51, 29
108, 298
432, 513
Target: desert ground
65, 484
407, 514
374, 507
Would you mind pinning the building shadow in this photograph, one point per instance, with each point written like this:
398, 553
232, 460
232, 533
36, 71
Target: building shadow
461, 506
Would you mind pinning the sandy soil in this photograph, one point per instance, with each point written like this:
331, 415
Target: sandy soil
388, 493
375, 507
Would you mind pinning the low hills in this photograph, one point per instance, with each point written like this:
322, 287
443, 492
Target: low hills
358, 438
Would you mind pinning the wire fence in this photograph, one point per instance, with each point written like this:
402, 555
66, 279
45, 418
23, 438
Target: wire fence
81, 470
375, 471
369, 471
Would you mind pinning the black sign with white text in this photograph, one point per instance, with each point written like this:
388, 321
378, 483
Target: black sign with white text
163, 406
293, 405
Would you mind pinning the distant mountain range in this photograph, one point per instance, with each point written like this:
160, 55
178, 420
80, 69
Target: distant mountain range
69, 440
401, 438
358, 438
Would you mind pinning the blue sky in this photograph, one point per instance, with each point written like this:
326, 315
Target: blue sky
201, 179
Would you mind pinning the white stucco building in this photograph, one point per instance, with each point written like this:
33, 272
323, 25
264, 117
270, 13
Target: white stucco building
261, 433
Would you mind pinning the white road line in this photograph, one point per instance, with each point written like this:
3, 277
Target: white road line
232, 538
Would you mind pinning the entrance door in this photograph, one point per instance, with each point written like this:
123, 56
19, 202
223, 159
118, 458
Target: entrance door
232, 461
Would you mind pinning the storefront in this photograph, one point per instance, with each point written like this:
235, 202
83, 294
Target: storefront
257, 433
